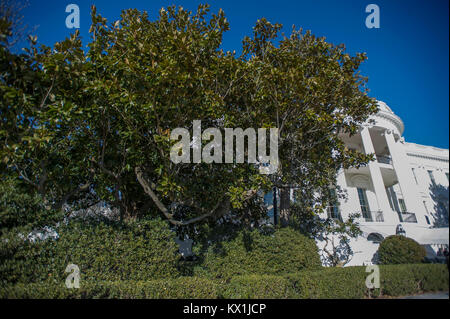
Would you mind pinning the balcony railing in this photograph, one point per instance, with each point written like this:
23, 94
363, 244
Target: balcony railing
375, 216
383, 159
406, 217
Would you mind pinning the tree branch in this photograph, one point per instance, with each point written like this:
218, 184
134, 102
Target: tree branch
219, 209
81, 188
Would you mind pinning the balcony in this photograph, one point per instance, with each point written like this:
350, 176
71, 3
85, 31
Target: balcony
375, 216
406, 217
383, 159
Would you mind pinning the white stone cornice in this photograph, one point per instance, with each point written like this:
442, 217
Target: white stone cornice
394, 119
428, 156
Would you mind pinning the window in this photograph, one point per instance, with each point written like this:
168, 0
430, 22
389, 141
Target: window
333, 207
430, 173
375, 238
426, 210
415, 177
446, 174
364, 203
402, 205
333, 212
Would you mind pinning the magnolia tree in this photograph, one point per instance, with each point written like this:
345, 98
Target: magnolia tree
311, 91
96, 123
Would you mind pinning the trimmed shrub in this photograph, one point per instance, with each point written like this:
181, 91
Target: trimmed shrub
431, 277
329, 283
252, 252
349, 282
398, 249
19, 207
179, 288
399, 280
102, 250
21, 260
256, 287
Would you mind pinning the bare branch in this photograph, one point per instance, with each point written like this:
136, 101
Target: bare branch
219, 209
81, 188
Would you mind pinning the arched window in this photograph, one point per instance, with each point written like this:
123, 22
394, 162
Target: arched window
375, 238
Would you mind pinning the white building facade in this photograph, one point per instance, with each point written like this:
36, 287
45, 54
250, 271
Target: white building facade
404, 190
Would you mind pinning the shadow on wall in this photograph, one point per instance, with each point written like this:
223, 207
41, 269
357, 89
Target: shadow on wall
376, 238
440, 196
375, 258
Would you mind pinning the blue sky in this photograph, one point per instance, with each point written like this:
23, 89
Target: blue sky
408, 65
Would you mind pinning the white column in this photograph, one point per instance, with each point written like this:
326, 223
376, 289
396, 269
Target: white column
353, 201
375, 174
405, 178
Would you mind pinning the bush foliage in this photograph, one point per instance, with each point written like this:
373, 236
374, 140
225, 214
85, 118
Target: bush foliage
276, 252
178, 288
398, 249
328, 283
256, 287
19, 207
399, 280
103, 250
349, 282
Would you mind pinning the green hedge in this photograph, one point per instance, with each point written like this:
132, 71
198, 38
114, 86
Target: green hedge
103, 251
178, 288
255, 253
398, 280
329, 283
398, 249
349, 282
256, 287
20, 207
342, 283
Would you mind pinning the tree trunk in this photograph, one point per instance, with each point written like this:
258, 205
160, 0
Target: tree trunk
285, 203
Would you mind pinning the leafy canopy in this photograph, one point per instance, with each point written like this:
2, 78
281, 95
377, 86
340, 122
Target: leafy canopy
86, 125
